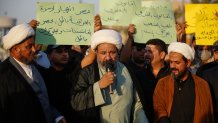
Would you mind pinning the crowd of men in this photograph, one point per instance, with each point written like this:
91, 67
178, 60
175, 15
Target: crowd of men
149, 82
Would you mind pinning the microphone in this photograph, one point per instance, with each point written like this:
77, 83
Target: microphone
110, 67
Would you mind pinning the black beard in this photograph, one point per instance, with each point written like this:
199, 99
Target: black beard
178, 77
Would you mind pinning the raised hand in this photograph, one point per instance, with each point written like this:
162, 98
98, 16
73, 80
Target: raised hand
34, 23
98, 24
131, 29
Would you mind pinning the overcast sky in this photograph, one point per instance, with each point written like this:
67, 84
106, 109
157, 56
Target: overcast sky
25, 10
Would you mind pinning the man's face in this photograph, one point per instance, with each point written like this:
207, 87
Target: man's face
106, 52
25, 51
215, 55
178, 65
157, 56
204, 52
138, 54
148, 56
59, 56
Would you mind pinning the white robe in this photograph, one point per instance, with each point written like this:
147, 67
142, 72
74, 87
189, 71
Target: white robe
116, 107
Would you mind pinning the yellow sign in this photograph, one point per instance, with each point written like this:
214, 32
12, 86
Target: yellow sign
64, 23
192, 11
205, 23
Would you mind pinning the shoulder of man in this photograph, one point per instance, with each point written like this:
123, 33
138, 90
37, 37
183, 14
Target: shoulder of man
199, 81
4, 65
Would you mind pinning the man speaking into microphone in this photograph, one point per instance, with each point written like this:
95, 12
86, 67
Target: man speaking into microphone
104, 92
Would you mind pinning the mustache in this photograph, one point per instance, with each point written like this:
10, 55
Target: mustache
108, 61
171, 69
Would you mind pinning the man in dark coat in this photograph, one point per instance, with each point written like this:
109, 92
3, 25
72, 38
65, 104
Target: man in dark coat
23, 94
59, 79
210, 76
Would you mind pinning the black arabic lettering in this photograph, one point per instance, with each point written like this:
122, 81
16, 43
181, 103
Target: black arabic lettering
61, 21
58, 10
49, 21
143, 14
116, 10
127, 3
78, 38
152, 24
81, 31
163, 33
148, 32
65, 9
48, 9
83, 12
110, 19
46, 31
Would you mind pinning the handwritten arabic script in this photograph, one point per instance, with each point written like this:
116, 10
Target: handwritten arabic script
66, 23
118, 12
206, 25
154, 20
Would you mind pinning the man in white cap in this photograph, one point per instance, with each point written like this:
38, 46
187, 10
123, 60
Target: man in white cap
23, 94
182, 97
104, 92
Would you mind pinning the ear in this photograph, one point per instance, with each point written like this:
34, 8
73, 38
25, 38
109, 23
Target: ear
189, 62
15, 49
162, 55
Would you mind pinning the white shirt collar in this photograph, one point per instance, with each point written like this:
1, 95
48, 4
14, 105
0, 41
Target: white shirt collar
26, 68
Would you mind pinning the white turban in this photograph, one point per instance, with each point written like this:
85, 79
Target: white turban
16, 35
183, 49
106, 36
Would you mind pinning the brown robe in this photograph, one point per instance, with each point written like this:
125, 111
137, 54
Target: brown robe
163, 98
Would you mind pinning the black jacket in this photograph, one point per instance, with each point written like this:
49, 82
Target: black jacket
145, 83
18, 102
211, 76
83, 98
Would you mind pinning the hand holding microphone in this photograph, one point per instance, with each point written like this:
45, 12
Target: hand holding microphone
110, 67
109, 77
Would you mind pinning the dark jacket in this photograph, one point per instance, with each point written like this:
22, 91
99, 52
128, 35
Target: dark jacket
18, 102
205, 67
211, 76
83, 98
59, 85
145, 82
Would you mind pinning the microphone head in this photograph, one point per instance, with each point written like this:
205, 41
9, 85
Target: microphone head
110, 66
